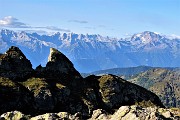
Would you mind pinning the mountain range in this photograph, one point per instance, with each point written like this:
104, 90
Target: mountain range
129, 71
95, 52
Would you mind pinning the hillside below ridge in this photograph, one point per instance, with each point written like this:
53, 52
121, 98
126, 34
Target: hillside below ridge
163, 82
58, 88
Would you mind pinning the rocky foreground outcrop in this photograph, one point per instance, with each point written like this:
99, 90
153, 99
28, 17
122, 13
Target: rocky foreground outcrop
133, 112
57, 91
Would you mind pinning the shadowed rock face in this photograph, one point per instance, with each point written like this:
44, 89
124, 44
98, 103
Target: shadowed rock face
58, 87
14, 60
14, 64
14, 96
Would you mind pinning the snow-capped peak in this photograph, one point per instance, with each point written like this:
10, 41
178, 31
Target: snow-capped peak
146, 37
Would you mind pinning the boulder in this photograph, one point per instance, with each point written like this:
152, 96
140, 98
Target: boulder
99, 114
14, 115
57, 116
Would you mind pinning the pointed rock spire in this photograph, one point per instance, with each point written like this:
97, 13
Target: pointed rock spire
58, 62
15, 62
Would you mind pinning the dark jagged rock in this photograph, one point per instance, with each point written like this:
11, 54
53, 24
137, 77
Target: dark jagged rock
14, 96
58, 87
15, 65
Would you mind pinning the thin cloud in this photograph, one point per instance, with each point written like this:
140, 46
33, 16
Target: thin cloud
79, 21
12, 22
35, 31
53, 28
56, 29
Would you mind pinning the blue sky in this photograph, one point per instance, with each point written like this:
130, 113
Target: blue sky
115, 18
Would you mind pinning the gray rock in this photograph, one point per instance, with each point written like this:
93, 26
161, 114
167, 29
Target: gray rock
137, 113
57, 116
122, 111
167, 114
99, 114
14, 115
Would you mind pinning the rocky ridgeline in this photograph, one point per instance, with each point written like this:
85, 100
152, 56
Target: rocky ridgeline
57, 91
